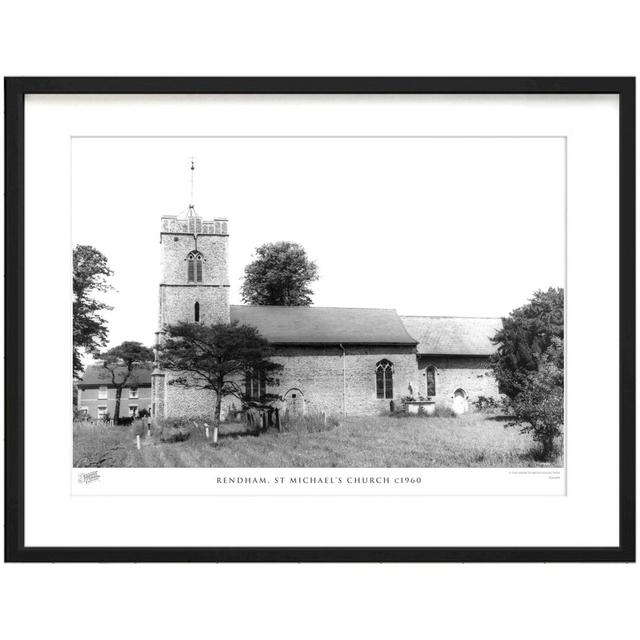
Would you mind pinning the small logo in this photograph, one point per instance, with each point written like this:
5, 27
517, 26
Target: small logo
90, 476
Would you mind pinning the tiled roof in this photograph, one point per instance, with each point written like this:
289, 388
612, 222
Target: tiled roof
442, 335
98, 375
324, 325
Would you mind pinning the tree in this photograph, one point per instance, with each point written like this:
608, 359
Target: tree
280, 275
529, 367
121, 361
525, 335
90, 272
216, 357
539, 407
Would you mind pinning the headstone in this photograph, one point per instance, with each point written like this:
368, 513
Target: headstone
459, 405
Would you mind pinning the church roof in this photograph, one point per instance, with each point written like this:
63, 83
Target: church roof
96, 374
324, 325
445, 335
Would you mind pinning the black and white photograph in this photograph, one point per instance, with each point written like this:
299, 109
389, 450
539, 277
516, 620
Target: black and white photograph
318, 301
320, 320
383, 316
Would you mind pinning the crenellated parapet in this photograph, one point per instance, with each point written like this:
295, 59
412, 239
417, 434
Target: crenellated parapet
194, 225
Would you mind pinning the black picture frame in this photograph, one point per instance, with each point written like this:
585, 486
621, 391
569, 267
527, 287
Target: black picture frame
15, 91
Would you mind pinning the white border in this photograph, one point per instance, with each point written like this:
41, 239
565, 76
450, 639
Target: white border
586, 516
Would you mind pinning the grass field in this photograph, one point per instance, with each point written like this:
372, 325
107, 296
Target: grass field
471, 440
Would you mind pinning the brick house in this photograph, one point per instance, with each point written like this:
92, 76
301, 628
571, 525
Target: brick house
97, 394
340, 360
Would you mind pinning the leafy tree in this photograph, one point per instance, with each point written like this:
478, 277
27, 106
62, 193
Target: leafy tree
280, 275
120, 363
529, 367
216, 357
539, 407
525, 335
90, 273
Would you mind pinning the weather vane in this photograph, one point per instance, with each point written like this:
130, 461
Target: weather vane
193, 168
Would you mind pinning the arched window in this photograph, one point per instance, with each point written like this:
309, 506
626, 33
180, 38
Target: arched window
196, 312
194, 267
384, 380
255, 386
431, 380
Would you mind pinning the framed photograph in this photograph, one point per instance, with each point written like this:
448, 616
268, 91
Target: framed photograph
320, 319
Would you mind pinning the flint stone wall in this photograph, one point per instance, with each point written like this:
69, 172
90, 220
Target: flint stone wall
317, 372
470, 373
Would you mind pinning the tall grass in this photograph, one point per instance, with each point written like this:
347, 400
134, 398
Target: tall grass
471, 440
96, 444
310, 422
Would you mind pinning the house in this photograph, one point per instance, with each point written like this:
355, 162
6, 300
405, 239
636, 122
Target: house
348, 361
97, 393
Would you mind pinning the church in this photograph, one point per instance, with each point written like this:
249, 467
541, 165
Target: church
344, 361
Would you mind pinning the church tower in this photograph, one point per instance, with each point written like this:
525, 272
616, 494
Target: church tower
194, 279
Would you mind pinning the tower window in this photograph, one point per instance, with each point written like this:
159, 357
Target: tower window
384, 380
194, 267
196, 312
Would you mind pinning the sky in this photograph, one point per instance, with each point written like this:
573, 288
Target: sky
427, 226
